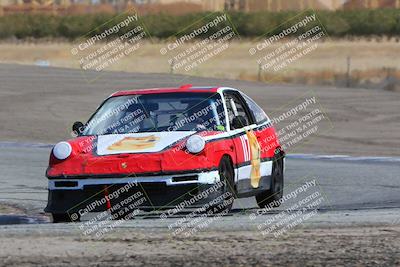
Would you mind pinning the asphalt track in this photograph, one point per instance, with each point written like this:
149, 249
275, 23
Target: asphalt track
39, 105
347, 183
356, 224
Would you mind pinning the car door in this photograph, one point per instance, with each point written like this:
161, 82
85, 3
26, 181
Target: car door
265, 134
241, 122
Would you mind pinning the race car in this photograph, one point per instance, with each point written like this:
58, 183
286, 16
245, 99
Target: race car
167, 148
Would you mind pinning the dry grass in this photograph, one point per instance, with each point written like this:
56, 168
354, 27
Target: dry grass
371, 61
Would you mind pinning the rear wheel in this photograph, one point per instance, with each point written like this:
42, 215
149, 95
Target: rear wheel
272, 196
226, 174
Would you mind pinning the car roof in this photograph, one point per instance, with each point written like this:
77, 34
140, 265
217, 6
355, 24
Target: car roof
186, 88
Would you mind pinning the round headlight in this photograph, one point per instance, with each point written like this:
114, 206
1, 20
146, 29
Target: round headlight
62, 150
195, 144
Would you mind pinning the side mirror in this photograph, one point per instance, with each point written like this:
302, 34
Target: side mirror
77, 128
239, 122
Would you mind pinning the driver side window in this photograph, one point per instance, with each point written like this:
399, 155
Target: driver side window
237, 115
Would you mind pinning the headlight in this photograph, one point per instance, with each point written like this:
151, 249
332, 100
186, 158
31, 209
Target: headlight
62, 150
195, 144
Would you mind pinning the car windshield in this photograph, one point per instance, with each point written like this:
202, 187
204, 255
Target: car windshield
158, 113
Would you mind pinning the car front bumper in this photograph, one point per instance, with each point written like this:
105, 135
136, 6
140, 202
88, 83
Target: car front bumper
156, 192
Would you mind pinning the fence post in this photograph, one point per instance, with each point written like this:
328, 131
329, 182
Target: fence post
348, 72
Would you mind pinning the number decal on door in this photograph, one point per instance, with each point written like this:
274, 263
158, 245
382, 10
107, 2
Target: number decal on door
252, 152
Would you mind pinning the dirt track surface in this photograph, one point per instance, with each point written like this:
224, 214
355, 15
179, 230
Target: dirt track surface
40, 104
362, 246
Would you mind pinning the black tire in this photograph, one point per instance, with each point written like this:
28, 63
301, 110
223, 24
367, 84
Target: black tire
65, 217
272, 196
226, 173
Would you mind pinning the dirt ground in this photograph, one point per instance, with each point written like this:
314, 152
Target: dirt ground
8, 209
329, 59
345, 246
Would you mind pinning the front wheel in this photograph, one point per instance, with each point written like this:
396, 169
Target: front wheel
226, 174
271, 197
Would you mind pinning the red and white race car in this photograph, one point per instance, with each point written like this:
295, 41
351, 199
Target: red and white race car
181, 147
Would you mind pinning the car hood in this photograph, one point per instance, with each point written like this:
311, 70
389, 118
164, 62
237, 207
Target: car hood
138, 142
